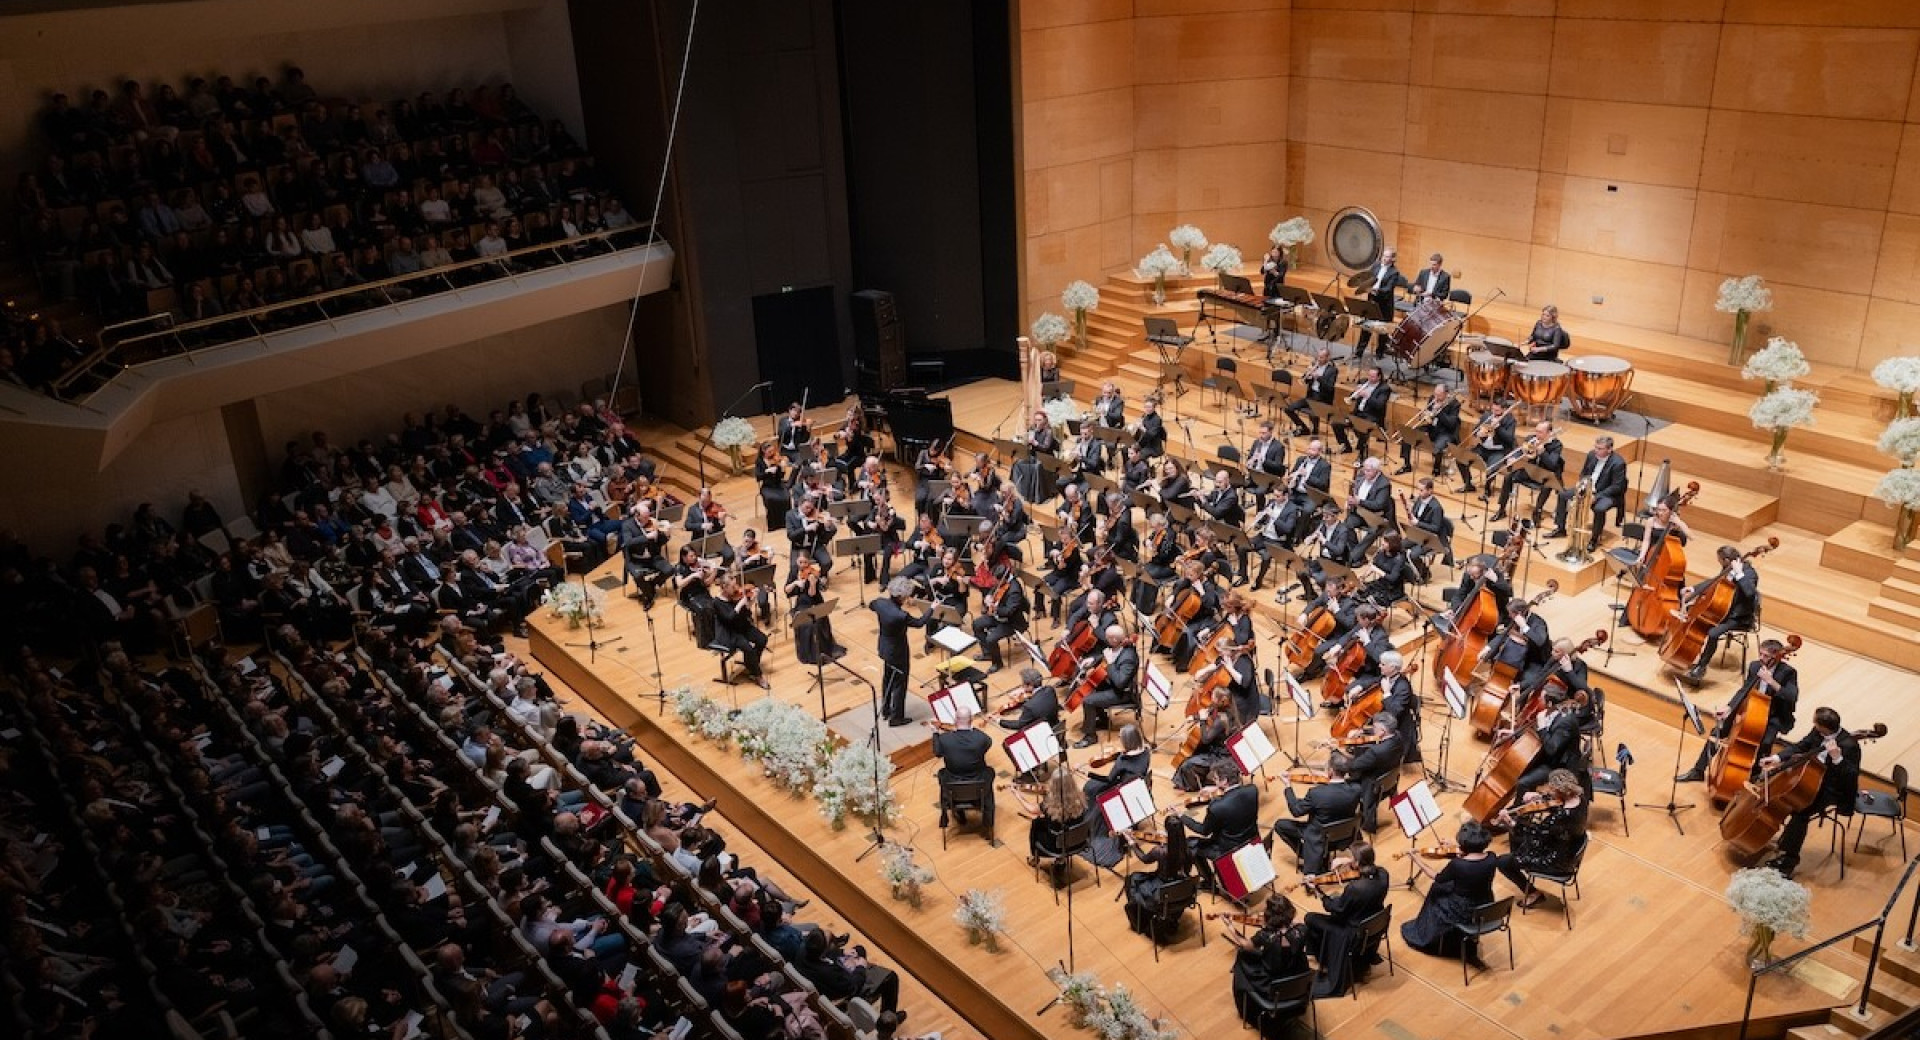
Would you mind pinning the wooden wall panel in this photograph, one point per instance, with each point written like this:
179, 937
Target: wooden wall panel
1892, 330
1481, 200
1639, 293
1635, 222
1826, 12
1821, 247
1211, 113
1643, 10
1349, 115
1076, 59
1836, 162
1479, 263
1623, 142
1897, 276
1366, 46
1057, 131
1528, 8
1804, 70
1226, 46
1325, 178
1662, 63
1475, 126
1221, 177
1482, 53
1046, 14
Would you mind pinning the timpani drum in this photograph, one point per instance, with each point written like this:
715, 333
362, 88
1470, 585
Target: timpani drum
1486, 375
1599, 386
1540, 384
1500, 345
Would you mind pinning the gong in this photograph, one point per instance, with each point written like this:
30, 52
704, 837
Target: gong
1354, 238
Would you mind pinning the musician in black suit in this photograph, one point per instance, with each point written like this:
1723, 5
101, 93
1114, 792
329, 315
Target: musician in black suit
1092, 608
1042, 703
1110, 408
1369, 401
894, 621
1311, 472
795, 431
1743, 613
1369, 632
1120, 689
1323, 806
1266, 457
1550, 458
1492, 439
1005, 614
1433, 282
1151, 435
1442, 428
1321, 379
1427, 513
1524, 644
1558, 726
1839, 750
1232, 820
1338, 544
1547, 339
1774, 677
1090, 456
1480, 569
1383, 280
644, 542
1375, 767
1331, 934
1399, 700
809, 530
963, 760
1373, 492
733, 627
1606, 474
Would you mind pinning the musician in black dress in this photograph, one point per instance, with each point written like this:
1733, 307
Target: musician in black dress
923, 549
1369, 403
1779, 681
1338, 599
1550, 458
1277, 951
1322, 380
1546, 828
1273, 272
1151, 433
1399, 701
1493, 438
1742, 613
1193, 576
812, 640
1663, 523
1463, 885
1136, 469
1172, 861
1839, 750
1332, 932
1120, 688
1389, 585
1547, 339
692, 587
1117, 523
1133, 761
1033, 479
1442, 428
1368, 631
1383, 280
770, 472
1323, 806
1606, 474
1061, 806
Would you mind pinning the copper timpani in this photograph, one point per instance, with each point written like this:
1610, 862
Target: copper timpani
1599, 386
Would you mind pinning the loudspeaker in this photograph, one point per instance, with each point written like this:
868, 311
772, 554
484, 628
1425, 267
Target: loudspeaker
879, 341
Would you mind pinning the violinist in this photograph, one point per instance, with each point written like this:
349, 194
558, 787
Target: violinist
1310, 479
1150, 435
1546, 453
963, 760
1065, 560
1162, 552
1119, 690
1491, 440
923, 546
1266, 458
1546, 829
871, 478
692, 580
1547, 339
1216, 724
1374, 768
644, 541
733, 627
706, 518
1523, 644
1398, 700
812, 640
1277, 951
1322, 380
1038, 700
1442, 412
809, 531
1323, 806
886, 523
1028, 475
1060, 807
770, 472
1110, 408
1003, 614
1133, 762
1828, 743
1114, 527
1773, 676
928, 466
1172, 862
948, 581
1606, 474
1742, 614
1172, 487
1012, 520
1368, 402
1337, 544
856, 444
1429, 514
1558, 727
1463, 885
985, 483
752, 555
1332, 933
795, 433
1232, 820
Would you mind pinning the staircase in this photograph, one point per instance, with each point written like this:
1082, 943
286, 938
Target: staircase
1899, 599
1895, 992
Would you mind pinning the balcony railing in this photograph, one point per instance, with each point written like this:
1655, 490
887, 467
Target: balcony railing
162, 336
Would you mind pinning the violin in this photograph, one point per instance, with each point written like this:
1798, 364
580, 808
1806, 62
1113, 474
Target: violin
1302, 775
1105, 758
1248, 919
1444, 850
1339, 876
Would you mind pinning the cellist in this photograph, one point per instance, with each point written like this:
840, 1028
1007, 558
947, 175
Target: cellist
1839, 784
1524, 645
1399, 700
1742, 613
1340, 603
1368, 632
1119, 690
1772, 674
1214, 726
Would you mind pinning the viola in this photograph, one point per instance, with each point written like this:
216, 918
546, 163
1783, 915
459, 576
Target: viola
1734, 760
1659, 579
1305, 776
1444, 850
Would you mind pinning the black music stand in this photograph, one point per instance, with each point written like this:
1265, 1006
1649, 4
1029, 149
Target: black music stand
962, 526
763, 577
850, 509
817, 614
1689, 716
858, 547
1057, 388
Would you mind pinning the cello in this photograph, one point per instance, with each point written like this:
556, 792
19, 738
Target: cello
1303, 643
1659, 578
1687, 635
1501, 775
1761, 808
1734, 760
1065, 657
1171, 623
1360, 710
1490, 700
1476, 617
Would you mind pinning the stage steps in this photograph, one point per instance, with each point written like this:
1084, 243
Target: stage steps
1820, 494
1896, 991
1723, 508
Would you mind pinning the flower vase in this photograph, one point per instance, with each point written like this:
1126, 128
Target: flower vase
1905, 407
1739, 350
733, 456
991, 943
1159, 290
573, 621
1760, 946
1080, 327
1186, 262
1903, 528
1777, 457
975, 936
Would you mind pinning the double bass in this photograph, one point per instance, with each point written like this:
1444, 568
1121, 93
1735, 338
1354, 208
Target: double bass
1762, 807
1490, 700
1687, 636
1734, 760
1659, 579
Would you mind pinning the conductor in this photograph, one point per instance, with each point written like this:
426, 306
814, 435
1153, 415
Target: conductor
894, 623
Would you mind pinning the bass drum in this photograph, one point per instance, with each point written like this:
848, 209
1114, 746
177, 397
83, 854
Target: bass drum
1424, 332
1600, 386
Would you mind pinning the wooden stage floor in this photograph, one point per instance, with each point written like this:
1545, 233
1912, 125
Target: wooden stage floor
1654, 949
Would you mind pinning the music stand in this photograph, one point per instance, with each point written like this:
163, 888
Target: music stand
1288, 561
937, 489
1689, 716
708, 547
963, 526
860, 545
1057, 388
818, 613
763, 576
850, 509
1621, 568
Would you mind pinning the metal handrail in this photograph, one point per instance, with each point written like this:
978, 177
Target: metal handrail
175, 330
1873, 956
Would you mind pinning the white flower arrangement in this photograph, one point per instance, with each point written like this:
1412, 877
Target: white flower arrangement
734, 432
1049, 329
1221, 259
1748, 294
903, 875
703, 715
1080, 296
1081, 992
1899, 374
1901, 439
1159, 263
1765, 899
574, 601
1779, 362
983, 913
1060, 410
791, 746
1291, 234
847, 787
1187, 238
1900, 488
1122, 1018
1784, 409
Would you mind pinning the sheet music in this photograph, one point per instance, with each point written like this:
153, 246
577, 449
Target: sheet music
950, 703
1250, 747
954, 640
1033, 650
1415, 809
1693, 713
1158, 686
1456, 694
1245, 870
1127, 804
1032, 746
1301, 700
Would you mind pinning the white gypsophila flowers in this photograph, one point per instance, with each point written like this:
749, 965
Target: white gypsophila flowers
1763, 898
734, 432
1901, 439
1050, 328
1780, 361
982, 910
1294, 231
1900, 487
1784, 408
1899, 374
1187, 237
1744, 294
1221, 258
1080, 296
1159, 263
